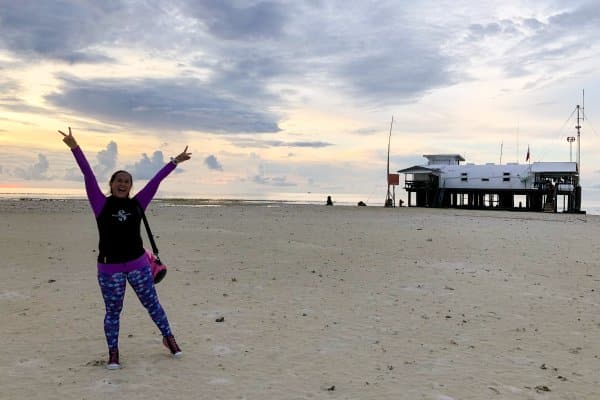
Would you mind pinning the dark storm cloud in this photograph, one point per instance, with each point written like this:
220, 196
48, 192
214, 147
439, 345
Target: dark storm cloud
585, 15
57, 29
168, 104
577, 21
533, 23
314, 145
253, 55
246, 49
400, 79
377, 54
246, 73
504, 27
212, 163
240, 20
258, 143
555, 41
479, 31
318, 48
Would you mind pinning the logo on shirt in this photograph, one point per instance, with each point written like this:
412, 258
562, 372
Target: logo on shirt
121, 215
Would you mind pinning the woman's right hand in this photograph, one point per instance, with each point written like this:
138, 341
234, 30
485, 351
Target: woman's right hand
69, 139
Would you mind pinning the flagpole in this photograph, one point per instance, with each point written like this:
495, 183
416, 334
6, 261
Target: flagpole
518, 142
389, 201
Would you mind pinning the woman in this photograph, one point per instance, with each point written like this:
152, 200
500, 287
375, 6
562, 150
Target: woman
122, 257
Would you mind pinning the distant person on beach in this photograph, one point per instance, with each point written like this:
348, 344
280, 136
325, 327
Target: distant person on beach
329, 201
121, 256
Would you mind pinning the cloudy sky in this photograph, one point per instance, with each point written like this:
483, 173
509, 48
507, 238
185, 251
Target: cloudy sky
291, 99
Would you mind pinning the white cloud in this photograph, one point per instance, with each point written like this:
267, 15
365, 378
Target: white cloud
147, 167
37, 171
107, 159
212, 163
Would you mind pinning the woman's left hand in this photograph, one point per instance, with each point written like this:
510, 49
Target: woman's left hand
183, 156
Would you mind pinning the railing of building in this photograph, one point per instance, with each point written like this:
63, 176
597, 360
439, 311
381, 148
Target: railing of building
418, 185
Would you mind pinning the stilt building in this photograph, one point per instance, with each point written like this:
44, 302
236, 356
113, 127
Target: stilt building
539, 186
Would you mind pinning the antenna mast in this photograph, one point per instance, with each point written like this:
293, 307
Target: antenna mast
577, 179
389, 143
578, 127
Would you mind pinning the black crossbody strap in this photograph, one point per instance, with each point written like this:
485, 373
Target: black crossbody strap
150, 236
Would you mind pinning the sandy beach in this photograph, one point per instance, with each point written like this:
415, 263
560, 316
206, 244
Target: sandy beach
318, 303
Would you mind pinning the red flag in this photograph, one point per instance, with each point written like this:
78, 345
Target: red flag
527, 157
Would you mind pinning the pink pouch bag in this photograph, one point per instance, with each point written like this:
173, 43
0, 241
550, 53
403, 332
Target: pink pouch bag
159, 270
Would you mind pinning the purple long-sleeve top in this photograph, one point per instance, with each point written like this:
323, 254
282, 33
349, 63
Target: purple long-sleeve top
97, 201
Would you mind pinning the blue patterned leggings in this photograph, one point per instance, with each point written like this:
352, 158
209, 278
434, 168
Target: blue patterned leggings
113, 292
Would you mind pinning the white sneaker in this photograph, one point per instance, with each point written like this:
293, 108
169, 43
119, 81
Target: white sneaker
113, 360
171, 344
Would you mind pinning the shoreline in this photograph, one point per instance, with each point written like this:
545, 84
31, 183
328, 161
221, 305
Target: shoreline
186, 201
210, 202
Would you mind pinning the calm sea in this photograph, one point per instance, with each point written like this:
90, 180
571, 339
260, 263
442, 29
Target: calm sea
591, 206
345, 199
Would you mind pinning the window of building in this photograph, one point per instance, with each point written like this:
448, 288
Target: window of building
506, 177
485, 179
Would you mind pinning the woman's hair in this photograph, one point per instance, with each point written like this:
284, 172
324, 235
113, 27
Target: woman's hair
114, 176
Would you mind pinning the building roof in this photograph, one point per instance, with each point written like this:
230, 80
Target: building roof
457, 157
536, 167
554, 167
418, 169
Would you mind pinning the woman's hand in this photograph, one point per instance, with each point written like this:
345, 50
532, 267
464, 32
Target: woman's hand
183, 156
69, 139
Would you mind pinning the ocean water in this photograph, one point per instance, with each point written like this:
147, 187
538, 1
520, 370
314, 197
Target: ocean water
342, 199
592, 210
40, 193
590, 205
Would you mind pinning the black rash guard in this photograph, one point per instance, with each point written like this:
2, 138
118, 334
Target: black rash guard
119, 229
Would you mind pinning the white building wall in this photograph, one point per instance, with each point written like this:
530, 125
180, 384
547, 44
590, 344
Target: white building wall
482, 177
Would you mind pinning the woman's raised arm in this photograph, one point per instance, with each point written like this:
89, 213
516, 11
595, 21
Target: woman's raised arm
94, 194
145, 195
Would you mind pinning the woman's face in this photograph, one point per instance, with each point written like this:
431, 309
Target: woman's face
121, 185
